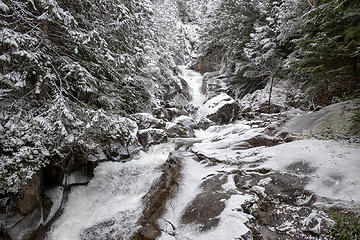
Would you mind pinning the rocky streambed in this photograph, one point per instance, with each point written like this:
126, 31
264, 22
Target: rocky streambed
216, 169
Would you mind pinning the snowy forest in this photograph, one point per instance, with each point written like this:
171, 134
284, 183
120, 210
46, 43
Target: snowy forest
179, 119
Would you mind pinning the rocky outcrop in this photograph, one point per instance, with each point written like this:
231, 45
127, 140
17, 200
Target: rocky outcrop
151, 136
210, 62
221, 109
182, 126
157, 197
334, 121
146, 120
26, 214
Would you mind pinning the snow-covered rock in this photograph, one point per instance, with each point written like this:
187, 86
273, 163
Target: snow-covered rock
331, 121
146, 120
221, 109
169, 114
258, 101
151, 136
182, 126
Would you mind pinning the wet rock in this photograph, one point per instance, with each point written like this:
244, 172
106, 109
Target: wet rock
182, 126
221, 109
168, 114
80, 177
23, 228
205, 123
30, 195
262, 140
207, 206
52, 202
159, 193
151, 136
146, 120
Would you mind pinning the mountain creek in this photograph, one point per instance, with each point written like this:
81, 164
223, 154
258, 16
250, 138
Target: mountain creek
179, 120
206, 176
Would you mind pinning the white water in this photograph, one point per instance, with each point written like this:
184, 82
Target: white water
113, 194
194, 80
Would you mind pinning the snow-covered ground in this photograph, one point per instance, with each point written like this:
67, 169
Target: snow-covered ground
332, 167
114, 194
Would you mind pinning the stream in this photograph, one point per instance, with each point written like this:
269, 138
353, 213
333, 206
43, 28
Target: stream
235, 179
110, 205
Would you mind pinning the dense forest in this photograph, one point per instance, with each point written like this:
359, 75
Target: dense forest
74, 74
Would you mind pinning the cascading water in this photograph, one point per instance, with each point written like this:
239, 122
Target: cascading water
110, 205
194, 80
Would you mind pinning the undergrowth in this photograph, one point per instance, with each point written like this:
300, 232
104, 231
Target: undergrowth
347, 226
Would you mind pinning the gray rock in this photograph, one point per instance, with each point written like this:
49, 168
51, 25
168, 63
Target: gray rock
182, 126
146, 120
334, 121
151, 136
169, 114
221, 109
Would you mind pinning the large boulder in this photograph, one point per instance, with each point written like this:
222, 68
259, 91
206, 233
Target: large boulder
334, 121
151, 136
168, 113
146, 120
258, 101
221, 109
182, 126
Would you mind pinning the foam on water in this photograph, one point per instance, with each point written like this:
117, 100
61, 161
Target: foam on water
113, 195
194, 80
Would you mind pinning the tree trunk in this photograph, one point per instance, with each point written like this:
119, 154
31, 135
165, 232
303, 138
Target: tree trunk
354, 71
270, 92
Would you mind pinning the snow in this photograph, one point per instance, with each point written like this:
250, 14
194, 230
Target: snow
213, 105
335, 166
227, 143
115, 192
192, 175
3, 6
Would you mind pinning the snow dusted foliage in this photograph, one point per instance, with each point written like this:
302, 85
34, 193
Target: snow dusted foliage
255, 39
70, 69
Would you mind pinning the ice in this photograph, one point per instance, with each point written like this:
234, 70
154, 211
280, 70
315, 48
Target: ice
115, 192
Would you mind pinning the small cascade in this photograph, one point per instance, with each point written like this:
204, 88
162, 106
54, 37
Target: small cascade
111, 204
194, 80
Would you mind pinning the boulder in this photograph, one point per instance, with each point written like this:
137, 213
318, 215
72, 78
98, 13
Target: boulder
168, 114
205, 123
146, 120
221, 109
182, 126
334, 121
30, 195
151, 136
